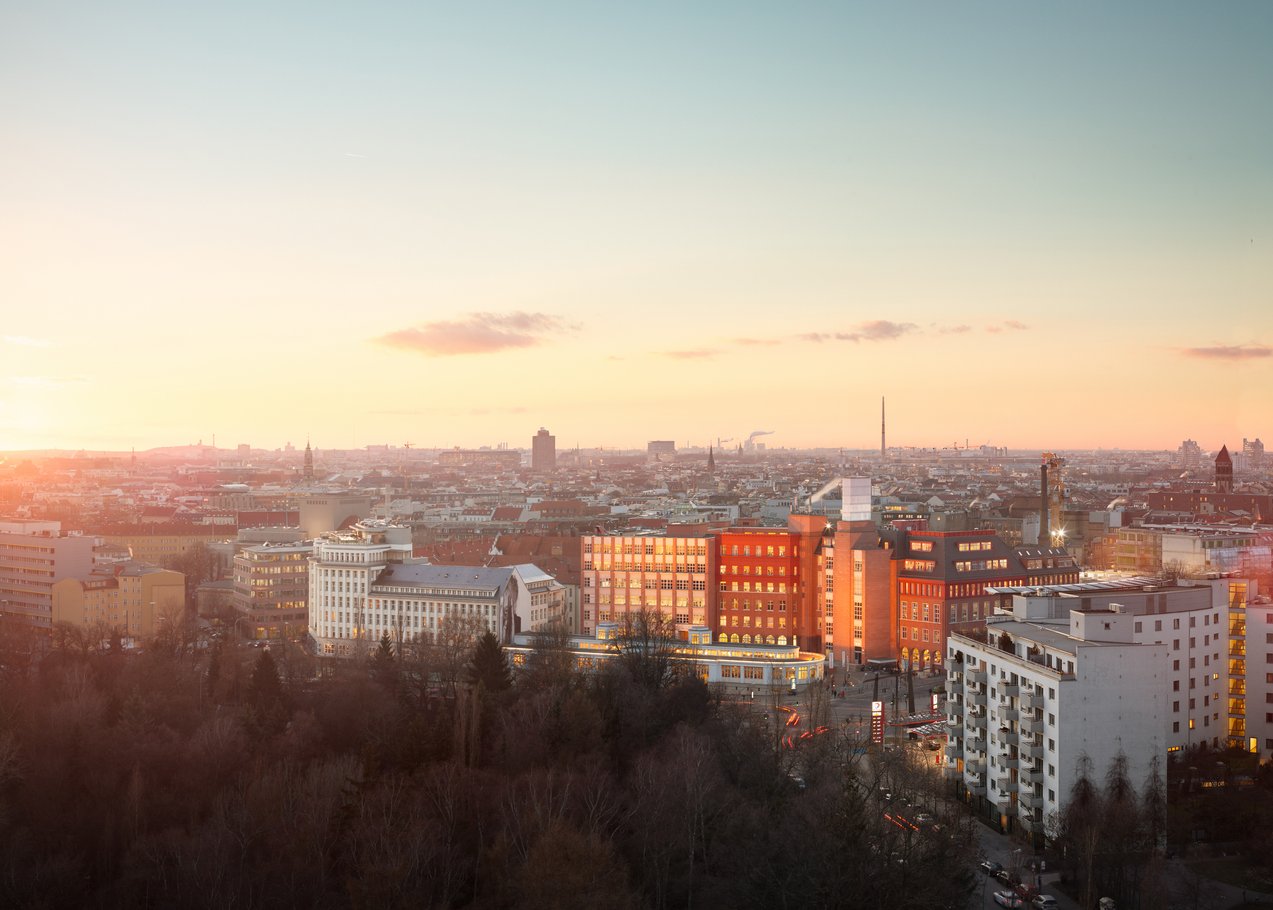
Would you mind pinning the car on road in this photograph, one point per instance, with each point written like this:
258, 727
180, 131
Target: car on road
1006, 876
990, 867
1044, 902
1008, 899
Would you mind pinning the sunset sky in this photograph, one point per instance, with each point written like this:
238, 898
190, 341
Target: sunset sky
1039, 226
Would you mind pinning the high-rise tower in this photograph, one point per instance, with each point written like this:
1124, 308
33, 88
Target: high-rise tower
543, 451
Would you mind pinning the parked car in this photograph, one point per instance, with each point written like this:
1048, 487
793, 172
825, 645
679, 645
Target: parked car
1044, 902
1006, 876
1008, 899
990, 867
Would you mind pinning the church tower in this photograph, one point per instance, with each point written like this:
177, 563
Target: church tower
1224, 471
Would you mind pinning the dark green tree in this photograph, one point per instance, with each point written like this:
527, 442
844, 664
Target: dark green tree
384, 664
489, 665
266, 689
214, 668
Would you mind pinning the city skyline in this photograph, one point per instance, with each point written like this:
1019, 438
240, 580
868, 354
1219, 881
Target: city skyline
1028, 228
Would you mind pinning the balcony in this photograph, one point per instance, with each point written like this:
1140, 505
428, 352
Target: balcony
1032, 775
1008, 714
976, 698
977, 744
975, 677
954, 720
1008, 762
955, 676
1030, 722
1029, 702
975, 767
1033, 750
1005, 783
1009, 690
976, 789
1028, 800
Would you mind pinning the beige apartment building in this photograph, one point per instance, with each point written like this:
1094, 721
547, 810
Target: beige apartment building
131, 597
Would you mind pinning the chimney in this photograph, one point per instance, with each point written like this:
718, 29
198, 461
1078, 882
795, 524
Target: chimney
1045, 527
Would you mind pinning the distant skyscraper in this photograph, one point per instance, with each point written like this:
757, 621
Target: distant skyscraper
543, 452
1190, 455
309, 461
1253, 449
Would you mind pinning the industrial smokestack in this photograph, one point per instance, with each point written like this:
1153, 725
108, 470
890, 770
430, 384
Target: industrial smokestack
1045, 529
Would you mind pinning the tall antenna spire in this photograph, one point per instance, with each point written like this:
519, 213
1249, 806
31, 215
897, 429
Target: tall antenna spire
883, 448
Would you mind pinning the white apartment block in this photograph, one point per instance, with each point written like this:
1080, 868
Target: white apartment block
1189, 619
628, 574
364, 583
1041, 695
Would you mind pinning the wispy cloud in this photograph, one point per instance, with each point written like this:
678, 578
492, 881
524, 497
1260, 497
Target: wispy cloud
478, 333
1229, 352
696, 354
954, 329
1008, 325
47, 382
24, 341
875, 330
449, 411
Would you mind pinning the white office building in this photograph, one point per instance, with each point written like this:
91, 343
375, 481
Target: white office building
364, 582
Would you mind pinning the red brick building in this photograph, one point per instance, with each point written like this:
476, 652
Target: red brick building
942, 579
767, 589
858, 594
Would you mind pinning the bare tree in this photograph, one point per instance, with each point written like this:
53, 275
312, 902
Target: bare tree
645, 644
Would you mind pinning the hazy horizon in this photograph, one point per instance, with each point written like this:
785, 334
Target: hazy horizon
451, 227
